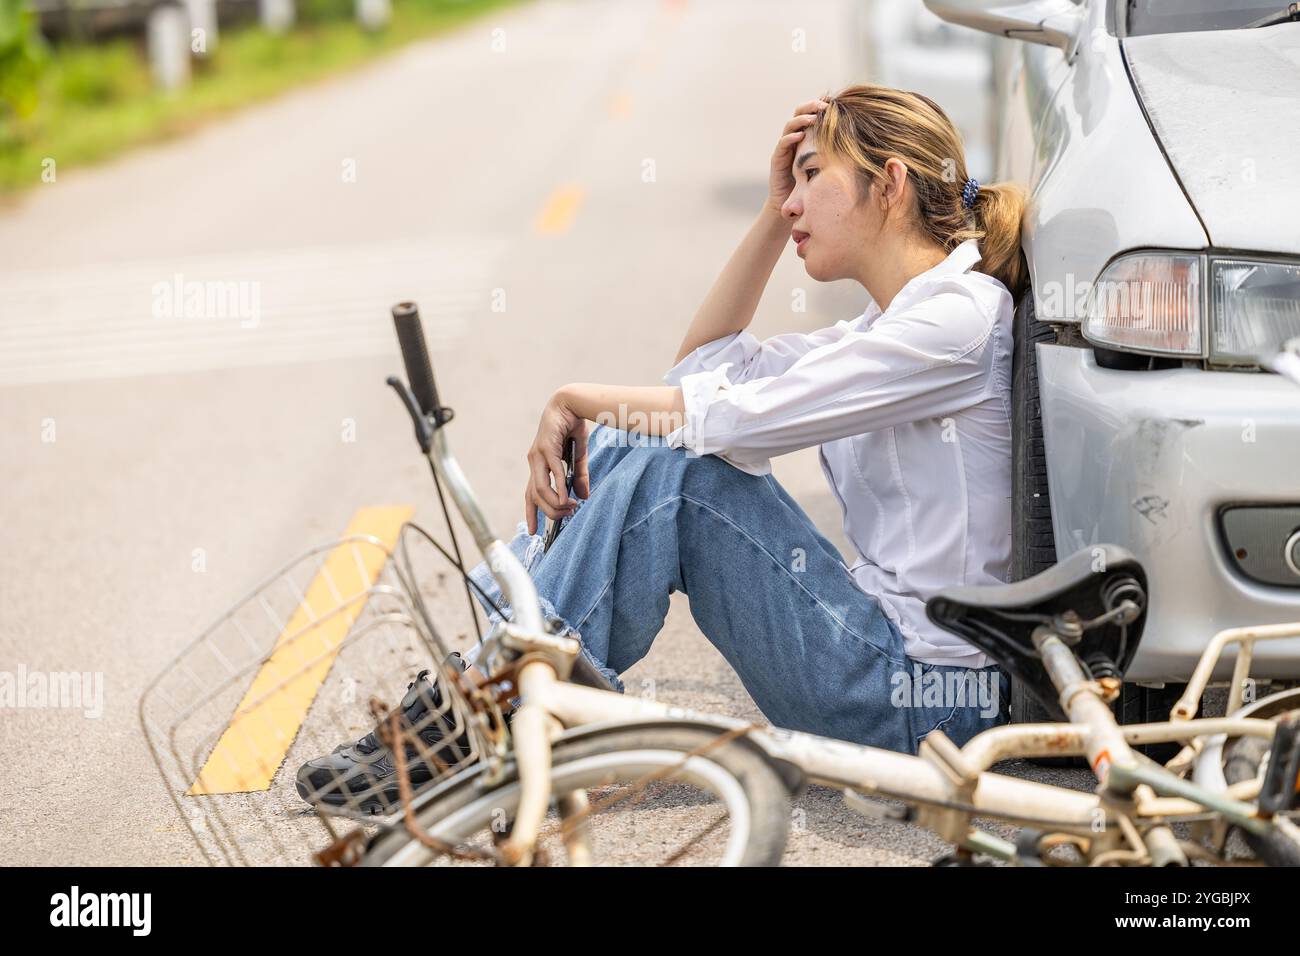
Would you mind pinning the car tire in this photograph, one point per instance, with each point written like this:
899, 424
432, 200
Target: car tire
1033, 543
1149, 705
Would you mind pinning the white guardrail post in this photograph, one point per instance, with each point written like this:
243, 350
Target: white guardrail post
373, 14
277, 16
203, 26
167, 36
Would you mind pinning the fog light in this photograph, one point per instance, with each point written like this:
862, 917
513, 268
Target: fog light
1263, 542
1292, 554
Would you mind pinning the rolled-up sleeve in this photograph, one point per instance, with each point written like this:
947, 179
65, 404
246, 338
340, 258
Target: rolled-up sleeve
929, 360
735, 360
731, 352
747, 358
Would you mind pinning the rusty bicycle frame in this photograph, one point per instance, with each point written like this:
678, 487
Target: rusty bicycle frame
1128, 819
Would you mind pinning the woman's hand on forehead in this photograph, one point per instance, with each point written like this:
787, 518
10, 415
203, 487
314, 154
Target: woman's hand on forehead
782, 172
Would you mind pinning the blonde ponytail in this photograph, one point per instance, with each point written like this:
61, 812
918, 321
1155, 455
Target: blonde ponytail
998, 213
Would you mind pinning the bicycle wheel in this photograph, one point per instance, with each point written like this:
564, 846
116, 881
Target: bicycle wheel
653, 801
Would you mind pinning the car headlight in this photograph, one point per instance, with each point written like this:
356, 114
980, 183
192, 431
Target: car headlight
1155, 303
1254, 308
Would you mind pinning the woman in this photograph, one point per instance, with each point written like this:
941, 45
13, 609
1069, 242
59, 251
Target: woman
908, 402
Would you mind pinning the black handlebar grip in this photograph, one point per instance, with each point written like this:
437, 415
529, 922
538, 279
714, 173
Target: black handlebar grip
419, 373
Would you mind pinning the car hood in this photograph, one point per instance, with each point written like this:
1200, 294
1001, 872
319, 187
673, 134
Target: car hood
1224, 105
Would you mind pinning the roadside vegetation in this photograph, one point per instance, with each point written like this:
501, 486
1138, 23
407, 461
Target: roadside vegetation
81, 102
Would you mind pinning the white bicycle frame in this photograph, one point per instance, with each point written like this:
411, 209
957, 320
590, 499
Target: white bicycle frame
1125, 819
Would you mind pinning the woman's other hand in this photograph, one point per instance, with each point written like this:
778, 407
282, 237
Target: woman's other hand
781, 183
545, 488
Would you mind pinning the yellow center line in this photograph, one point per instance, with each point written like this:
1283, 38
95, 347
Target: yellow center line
560, 210
263, 727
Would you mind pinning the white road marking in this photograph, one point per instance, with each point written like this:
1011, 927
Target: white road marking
312, 304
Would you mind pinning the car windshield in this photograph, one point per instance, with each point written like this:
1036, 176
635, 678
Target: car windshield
1183, 16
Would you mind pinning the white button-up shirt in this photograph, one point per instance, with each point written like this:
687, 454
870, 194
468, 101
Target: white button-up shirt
911, 410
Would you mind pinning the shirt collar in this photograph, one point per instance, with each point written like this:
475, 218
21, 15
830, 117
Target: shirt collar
959, 260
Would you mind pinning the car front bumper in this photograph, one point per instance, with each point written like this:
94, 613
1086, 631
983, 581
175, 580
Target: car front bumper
1148, 460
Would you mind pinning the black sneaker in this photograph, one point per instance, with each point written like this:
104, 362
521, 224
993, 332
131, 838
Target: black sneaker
363, 774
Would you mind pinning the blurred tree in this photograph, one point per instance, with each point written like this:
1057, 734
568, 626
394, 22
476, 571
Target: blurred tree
22, 55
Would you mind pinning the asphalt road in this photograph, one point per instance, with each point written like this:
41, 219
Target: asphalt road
589, 166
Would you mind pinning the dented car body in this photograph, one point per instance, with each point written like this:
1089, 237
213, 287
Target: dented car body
1159, 142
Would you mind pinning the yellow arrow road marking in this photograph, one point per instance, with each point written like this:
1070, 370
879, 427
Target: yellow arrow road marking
259, 735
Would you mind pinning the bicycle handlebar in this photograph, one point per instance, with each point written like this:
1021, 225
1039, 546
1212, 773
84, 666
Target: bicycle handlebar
429, 417
415, 355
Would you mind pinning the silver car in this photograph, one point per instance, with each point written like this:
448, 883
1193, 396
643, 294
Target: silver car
1160, 142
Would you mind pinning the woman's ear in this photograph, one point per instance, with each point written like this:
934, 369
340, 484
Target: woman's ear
893, 185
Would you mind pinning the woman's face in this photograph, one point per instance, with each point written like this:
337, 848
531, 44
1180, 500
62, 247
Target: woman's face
824, 207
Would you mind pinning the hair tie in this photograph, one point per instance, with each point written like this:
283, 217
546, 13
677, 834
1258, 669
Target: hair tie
969, 191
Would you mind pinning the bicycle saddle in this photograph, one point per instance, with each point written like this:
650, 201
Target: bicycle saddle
1070, 596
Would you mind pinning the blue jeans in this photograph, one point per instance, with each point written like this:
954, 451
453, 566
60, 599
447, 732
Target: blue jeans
768, 590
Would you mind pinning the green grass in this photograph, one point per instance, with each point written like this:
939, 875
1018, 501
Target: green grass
98, 100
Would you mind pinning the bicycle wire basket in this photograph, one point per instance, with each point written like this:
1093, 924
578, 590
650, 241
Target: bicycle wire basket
309, 660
